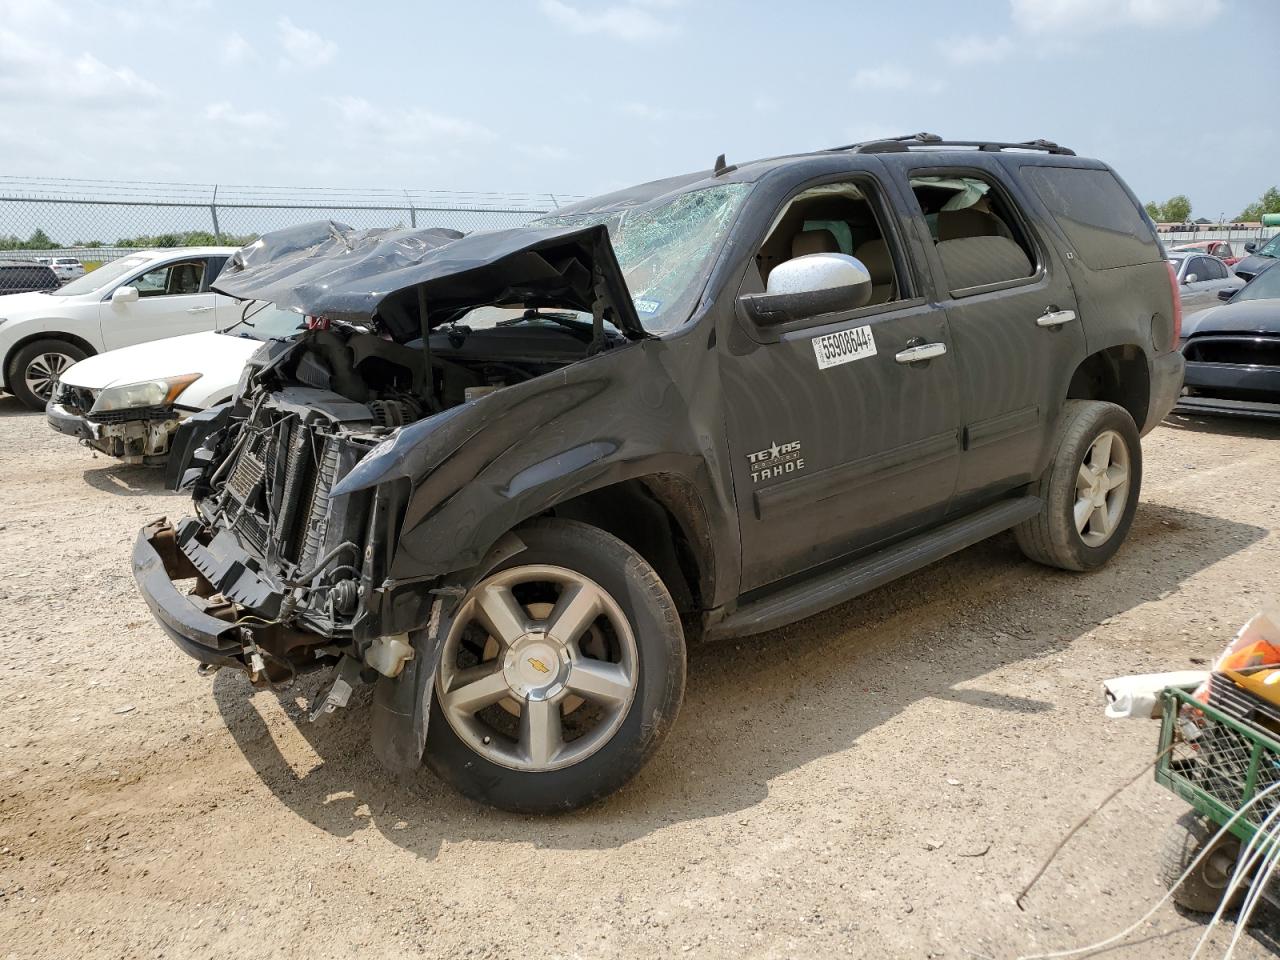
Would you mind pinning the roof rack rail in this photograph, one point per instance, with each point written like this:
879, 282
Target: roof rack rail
932, 140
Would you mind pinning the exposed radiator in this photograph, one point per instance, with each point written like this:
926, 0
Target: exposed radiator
283, 514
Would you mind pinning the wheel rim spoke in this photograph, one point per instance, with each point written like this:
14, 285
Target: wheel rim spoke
1084, 479
1083, 511
575, 610
1100, 456
599, 681
1101, 522
541, 736
476, 688
1116, 476
500, 613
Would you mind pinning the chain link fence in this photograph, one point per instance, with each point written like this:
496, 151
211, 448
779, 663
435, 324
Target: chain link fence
99, 220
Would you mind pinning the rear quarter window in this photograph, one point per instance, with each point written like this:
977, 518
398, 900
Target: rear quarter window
1105, 227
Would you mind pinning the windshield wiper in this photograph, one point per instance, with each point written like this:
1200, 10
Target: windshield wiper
567, 320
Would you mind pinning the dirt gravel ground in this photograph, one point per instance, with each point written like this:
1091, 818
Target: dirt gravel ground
877, 781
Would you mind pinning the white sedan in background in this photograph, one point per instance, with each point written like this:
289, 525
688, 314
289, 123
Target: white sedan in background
127, 403
64, 268
145, 296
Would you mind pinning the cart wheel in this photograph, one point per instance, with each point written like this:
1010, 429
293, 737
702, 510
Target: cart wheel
1203, 889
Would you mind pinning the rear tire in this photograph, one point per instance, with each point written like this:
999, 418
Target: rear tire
35, 368
527, 721
1205, 886
1090, 489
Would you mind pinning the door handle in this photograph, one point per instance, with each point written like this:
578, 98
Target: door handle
199, 309
1055, 318
921, 351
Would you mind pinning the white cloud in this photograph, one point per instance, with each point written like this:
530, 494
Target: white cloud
236, 49
627, 21
224, 112
974, 48
41, 73
411, 126
891, 77
642, 111
303, 47
543, 151
885, 77
1094, 16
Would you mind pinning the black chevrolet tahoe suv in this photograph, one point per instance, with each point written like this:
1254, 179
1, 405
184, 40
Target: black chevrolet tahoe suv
502, 476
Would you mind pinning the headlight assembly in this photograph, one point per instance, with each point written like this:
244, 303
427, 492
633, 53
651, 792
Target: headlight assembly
148, 393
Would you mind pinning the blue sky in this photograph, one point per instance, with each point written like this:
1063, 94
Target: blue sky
576, 97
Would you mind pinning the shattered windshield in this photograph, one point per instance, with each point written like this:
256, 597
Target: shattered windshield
666, 249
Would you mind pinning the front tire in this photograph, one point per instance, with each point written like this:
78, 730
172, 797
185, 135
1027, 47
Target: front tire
1090, 489
37, 366
561, 672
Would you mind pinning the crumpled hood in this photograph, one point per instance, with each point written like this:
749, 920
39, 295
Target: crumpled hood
1246, 316
216, 355
328, 269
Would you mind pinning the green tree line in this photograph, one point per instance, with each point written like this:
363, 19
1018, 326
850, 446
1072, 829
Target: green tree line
39, 240
1178, 209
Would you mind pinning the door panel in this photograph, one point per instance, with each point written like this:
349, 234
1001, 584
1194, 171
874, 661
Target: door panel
173, 299
155, 318
1016, 338
1013, 376
829, 461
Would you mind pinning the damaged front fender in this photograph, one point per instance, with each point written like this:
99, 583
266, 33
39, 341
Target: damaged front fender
402, 704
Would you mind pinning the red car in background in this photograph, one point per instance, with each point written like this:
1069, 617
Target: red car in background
1214, 248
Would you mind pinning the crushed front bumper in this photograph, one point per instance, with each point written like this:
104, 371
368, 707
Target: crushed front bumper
141, 439
157, 563
72, 424
232, 616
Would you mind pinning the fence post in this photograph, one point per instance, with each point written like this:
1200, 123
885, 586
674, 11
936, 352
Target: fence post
413, 213
213, 211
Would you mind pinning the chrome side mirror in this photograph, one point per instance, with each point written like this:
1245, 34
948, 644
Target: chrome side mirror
125, 295
809, 286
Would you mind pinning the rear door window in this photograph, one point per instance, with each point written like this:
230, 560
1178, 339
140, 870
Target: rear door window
1105, 227
979, 235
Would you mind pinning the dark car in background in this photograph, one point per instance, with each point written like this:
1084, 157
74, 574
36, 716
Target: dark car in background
25, 276
1261, 255
1233, 353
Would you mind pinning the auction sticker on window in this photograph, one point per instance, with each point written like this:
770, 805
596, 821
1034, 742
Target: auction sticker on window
843, 346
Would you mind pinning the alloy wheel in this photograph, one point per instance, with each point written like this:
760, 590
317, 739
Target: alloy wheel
1102, 488
43, 372
539, 668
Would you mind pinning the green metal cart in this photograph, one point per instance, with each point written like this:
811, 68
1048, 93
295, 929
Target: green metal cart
1217, 765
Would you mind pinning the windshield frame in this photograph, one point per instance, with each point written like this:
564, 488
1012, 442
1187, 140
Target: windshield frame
1269, 249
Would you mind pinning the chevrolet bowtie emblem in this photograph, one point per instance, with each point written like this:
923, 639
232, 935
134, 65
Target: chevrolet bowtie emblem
539, 665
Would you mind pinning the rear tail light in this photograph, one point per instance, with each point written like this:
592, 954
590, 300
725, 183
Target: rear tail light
1177, 307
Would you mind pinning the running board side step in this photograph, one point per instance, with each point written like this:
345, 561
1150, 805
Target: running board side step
844, 583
